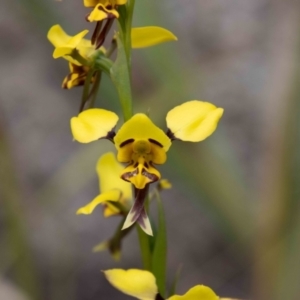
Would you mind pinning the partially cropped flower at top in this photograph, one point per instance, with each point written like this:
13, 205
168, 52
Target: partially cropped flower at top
115, 193
142, 285
103, 9
142, 145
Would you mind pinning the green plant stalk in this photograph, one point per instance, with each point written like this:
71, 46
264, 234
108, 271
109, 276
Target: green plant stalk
120, 76
127, 38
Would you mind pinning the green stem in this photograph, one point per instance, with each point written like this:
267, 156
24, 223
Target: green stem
103, 64
128, 25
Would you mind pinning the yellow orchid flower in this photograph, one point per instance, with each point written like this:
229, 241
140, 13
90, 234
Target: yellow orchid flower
142, 145
112, 188
141, 284
65, 45
103, 9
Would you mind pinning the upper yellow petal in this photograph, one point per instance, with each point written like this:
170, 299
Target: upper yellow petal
70, 45
64, 44
93, 124
150, 36
113, 195
90, 3
199, 292
140, 127
136, 283
120, 2
109, 171
194, 120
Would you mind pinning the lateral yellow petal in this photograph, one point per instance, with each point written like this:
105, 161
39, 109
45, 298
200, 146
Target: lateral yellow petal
113, 195
57, 36
148, 36
93, 124
109, 171
136, 283
76, 39
194, 120
199, 292
140, 127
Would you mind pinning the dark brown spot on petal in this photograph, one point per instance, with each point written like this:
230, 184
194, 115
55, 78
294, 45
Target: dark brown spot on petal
128, 175
155, 142
126, 142
146, 165
110, 135
150, 176
159, 297
171, 135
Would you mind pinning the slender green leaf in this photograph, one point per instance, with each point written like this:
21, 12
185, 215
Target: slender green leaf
175, 281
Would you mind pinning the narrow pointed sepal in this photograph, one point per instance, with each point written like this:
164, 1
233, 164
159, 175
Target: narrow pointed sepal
138, 213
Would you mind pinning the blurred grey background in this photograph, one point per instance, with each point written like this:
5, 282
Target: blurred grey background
232, 212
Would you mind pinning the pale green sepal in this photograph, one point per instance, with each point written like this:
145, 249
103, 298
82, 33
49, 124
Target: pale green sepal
120, 77
142, 37
93, 124
159, 256
199, 292
113, 195
136, 283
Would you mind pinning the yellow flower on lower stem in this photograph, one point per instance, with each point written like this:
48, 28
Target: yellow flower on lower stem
112, 188
142, 145
142, 285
